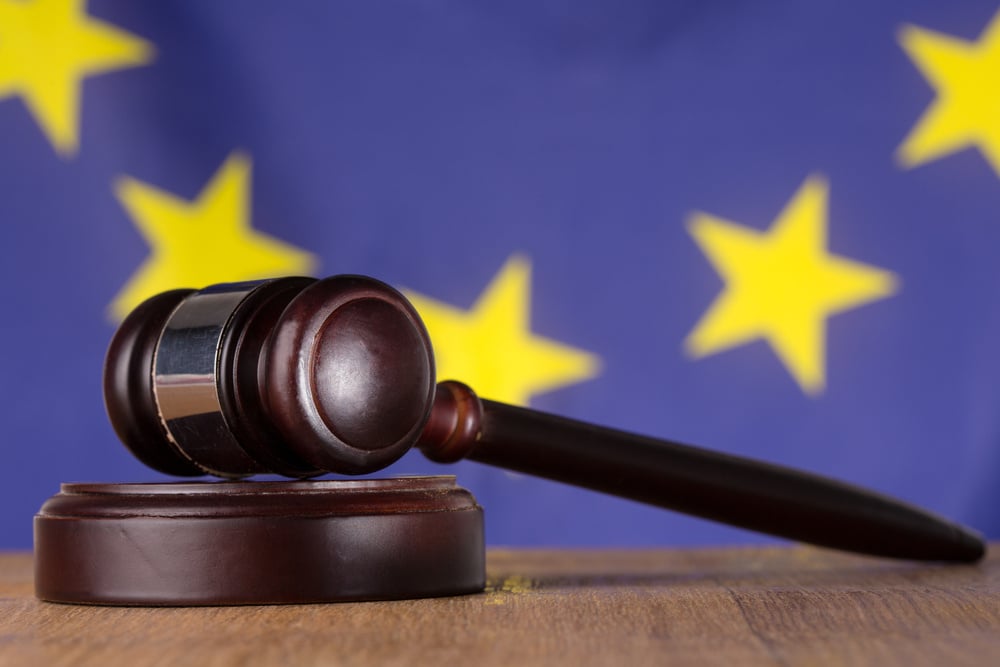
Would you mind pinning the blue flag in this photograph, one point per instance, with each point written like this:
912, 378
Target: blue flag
769, 229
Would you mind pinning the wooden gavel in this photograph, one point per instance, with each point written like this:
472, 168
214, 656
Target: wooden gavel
298, 377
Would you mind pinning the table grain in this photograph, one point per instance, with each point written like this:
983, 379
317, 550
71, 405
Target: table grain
732, 606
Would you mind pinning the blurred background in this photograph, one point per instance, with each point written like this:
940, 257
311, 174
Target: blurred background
767, 228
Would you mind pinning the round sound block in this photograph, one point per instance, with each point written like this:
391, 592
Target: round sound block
229, 543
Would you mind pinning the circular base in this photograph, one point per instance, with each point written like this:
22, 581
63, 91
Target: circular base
231, 543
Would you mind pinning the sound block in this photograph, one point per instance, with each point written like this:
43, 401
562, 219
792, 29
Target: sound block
230, 543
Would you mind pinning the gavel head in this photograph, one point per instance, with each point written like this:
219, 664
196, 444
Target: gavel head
293, 376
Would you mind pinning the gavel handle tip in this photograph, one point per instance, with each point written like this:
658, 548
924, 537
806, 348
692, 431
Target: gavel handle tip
970, 546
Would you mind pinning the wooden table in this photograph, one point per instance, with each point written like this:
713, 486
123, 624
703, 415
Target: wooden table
750, 606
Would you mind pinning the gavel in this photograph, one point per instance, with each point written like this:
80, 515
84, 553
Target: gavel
300, 377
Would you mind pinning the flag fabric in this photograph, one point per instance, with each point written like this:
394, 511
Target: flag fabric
766, 228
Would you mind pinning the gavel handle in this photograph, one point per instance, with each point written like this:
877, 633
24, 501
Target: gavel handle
729, 489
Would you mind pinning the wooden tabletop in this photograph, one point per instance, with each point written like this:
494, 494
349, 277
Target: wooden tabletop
750, 606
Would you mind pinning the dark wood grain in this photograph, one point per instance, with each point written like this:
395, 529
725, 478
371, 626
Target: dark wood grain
761, 606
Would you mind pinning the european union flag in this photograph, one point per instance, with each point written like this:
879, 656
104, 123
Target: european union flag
768, 228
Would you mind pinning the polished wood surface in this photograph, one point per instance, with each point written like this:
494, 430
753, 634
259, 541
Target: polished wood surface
259, 542
754, 606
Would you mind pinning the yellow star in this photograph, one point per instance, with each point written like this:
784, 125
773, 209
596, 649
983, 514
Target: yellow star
781, 285
966, 76
491, 347
206, 241
47, 47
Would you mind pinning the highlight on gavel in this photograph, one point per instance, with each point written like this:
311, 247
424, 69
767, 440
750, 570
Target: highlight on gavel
299, 377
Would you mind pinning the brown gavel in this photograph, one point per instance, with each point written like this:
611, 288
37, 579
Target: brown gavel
298, 377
